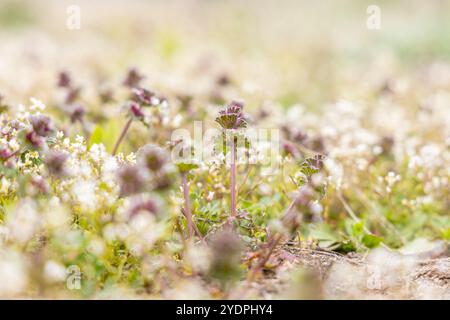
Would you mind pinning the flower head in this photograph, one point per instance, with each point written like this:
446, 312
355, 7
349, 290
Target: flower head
64, 80
144, 96
133, 78
232, 116
55, 161
142, 205
153, 157
42, 125
77, 113
131, 180
34, 139
5, 152
136, 110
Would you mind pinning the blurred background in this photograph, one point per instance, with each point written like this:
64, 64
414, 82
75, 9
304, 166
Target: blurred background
287, 51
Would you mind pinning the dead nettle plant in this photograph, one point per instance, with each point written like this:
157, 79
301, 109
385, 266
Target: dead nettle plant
71, 105
232, 120
141, 100
72, 92
133, 78
147, 182
304, 207
186, 164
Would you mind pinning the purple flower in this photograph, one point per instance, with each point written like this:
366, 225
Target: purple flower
42, 125
131, 180
136, 110
153, 157
289, 148
232, 116
143, 96
64, 80
106, 95
223, 80
142, 204
5, 152
304, 196
133, 78
77, 113
163, 180
39, 184
55, 161
34, 139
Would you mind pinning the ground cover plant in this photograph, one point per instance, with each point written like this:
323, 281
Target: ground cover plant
224, 153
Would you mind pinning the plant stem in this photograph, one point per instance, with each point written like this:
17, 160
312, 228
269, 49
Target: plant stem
122, 135
288, 211
187, 205
233, 180
262, 262
272, 243
12, 154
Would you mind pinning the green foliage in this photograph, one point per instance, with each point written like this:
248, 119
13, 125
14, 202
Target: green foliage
105, 134
15, 14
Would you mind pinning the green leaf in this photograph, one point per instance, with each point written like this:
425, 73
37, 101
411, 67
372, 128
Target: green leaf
96, 136
371, 241
186, 167
105, 134
358, 229
324, 235
446, 234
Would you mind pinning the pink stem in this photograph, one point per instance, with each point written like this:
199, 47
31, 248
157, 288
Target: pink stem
122, 135
272, 245
187, 205
233, 180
